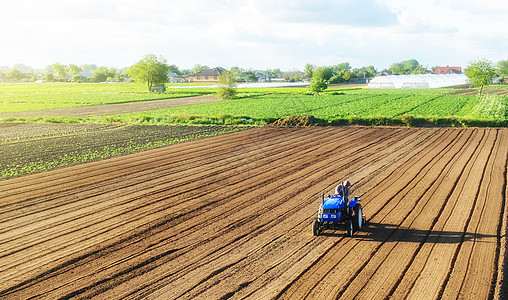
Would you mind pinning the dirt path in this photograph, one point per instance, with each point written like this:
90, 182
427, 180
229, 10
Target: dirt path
230, 217
111, 109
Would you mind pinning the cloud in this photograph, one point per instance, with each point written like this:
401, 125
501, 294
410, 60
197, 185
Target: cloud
341, 12
252, 33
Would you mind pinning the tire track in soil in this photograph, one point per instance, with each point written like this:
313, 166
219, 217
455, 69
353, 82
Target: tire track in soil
397, 186
29, 239
251, 236
207, 288
258, 297
122, 181
477, 258
420, 289
439, 247
287, 257
429, 215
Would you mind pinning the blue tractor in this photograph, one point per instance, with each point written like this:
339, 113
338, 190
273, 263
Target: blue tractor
336, 210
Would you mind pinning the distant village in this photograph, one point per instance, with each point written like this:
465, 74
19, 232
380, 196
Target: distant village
341, 73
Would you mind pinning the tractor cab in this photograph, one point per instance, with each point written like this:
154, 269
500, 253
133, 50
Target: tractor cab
332, 208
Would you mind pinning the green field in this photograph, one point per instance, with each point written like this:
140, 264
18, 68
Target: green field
28, 147
261, 106
16, 97
32, 147
341, 107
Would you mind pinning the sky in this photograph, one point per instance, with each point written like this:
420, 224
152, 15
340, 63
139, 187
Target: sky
257, 34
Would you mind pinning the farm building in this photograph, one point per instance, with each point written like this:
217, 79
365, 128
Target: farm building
424, 81
448, 70
174, 78
207, 75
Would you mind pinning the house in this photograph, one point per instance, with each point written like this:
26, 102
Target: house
383, 73
207, 75
85, 74
174, 78
447, 70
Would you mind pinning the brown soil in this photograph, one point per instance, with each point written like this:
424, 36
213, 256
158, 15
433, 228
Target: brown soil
299, 121
486, 91
112, 109
230, 217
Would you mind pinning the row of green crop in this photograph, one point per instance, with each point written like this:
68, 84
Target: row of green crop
260, 106
38, 96
17, 97
47, 147
349, 107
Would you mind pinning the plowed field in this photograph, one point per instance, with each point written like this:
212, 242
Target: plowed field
230, 217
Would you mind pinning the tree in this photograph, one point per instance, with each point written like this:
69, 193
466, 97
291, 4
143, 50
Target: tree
89, 67
480, 73
32, 75
268, 75
318, 81
101, 74
277, 73
78, 78
342, 76
346, 75
49, 76
150, 70
24, 69
404, 67
49, 69
366, 72
249, 76
14, 75
174, 69
292, 75
198, 68
323, 72
345, 66
236, 71
73, 69
59, 70
502, 67
226, 85
309, 69
113, 75
419, 70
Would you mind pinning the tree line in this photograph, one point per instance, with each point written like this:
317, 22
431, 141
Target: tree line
480, 73
154, 70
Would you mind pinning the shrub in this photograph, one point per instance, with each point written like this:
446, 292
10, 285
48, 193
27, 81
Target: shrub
318, 85
226, 88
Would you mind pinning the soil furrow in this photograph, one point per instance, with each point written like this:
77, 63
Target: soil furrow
230, 217
402, 191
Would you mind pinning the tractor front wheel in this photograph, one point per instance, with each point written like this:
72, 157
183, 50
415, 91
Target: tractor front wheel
315, 228
349, 228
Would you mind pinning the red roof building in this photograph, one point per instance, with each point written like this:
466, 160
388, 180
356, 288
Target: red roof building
447, 70
207, 75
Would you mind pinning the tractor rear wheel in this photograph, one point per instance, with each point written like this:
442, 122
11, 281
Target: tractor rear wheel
358, 217
315, 227
349, 228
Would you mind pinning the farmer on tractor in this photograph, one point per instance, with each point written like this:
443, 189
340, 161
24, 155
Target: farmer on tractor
343, 190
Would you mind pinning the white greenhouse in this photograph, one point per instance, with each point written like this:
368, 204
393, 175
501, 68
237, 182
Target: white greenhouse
424, 81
